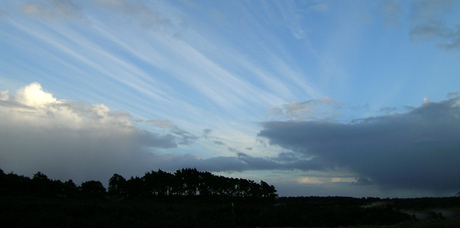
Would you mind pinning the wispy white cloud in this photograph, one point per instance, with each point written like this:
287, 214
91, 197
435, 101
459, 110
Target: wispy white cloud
319, 109
106, 63
319, 7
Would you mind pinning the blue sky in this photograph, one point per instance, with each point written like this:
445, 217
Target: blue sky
90, 88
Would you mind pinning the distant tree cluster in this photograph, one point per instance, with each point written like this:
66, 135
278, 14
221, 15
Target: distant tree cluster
188, 182
184, 182
41, 185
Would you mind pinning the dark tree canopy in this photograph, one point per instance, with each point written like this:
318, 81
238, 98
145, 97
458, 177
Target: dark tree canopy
187, 182
93, 189
117, 185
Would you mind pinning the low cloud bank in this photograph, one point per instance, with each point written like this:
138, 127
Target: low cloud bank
79, 141
67, 139
417, 150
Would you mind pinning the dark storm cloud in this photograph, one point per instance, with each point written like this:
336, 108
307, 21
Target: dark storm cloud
363, 181
419, 149
287, 157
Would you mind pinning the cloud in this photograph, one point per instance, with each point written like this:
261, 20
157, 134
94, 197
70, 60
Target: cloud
413, 150
241, 162
391, 11
428, 23
363, 17
323, 108
452, 94
141, 13
309, 180
363, 181
287, 157
206, 132
57, 10
4, 95
71, 139
79, 141
389, 109
33, 95
276, 112
218, 142
319, 8
186, 138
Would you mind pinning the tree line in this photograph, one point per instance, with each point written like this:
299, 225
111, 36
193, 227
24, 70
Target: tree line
187, 182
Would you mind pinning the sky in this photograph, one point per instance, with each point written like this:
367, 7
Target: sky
318, 98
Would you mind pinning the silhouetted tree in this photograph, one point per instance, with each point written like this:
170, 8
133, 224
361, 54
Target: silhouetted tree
117, 185
206, 184
189, 179
184, 182
151, 183
14, 183
160, 183
3, 182
135, 187
167, 183
41, 184
268, 191
93, 189
70, 189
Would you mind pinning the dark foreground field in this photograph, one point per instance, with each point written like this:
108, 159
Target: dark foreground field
29, 211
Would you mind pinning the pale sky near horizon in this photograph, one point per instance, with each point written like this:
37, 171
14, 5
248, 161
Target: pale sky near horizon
351, 98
